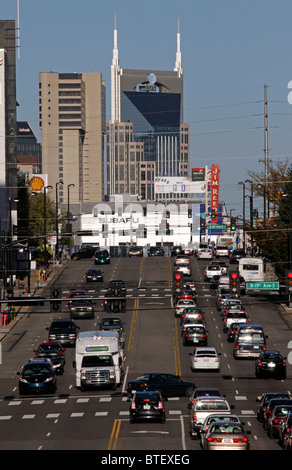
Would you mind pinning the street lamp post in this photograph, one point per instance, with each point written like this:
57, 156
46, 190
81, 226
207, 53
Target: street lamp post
68, 212
243, 214
45, 224
263, 186
57, 220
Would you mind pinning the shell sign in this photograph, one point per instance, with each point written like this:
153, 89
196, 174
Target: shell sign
36, 183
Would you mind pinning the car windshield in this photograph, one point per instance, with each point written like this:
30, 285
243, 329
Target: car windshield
272, 357
36, 369
111, 323
63, 326
195, 329
206, 353
50, 354
96, 361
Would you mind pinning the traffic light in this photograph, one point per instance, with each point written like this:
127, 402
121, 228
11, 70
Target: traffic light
190, 213
177, 282
167, 230
213, 214
289, 281
167, 214
55, 302
233, 281
232, 224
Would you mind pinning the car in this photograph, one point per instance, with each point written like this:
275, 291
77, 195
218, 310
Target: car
50, 345
229, 303
271, 404
215, 418
275, 419
203, 392
156, 251
236, 255
177, 250
211, 271
189, 282
83, 253
205, 358
189, 322
55, 356
231, 332
94, 275
181, 259
214, 281
222, 298
102, 257
183, 268
205, 253
192, 317
222, 264
249, 341
233, 315
195, 334
192, 312
271, 363
182, 304
287, 442
284, 428
135, 251
202, 408
147, 406
113, 324
185, 293
81, 307
118, 284
221, 250
264, 399
63, 331
169, 385
37, 376
75, 293
226, 436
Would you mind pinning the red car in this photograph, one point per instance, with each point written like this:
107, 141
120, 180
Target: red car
75, 293
52, 346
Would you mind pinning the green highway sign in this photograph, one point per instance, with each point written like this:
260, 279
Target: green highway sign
263, 285
217, 226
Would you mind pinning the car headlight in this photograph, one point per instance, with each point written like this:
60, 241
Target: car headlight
72, 336
49, 379
23, 380
57, 365
52, 336
112, 374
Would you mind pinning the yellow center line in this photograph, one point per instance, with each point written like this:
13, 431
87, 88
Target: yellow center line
114, 435
134, 316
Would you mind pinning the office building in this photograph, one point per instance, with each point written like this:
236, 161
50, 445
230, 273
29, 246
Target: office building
29, 150
72, 109
150, 103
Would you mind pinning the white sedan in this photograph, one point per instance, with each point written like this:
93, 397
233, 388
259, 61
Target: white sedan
205, 253
184, 269
182, 304
205, 358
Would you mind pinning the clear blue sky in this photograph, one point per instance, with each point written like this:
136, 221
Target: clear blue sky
230, 50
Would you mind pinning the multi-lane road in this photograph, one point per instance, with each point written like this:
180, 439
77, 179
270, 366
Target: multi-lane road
99, 419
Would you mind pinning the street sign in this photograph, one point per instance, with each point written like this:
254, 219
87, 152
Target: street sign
216, 226
263, 285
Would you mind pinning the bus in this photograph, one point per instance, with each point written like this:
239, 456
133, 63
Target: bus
251, 269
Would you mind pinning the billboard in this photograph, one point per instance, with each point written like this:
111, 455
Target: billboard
215, 173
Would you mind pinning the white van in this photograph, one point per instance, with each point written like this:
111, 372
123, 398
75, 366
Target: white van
99, 359
251, 269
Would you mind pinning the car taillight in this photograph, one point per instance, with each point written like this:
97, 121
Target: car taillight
237, 346
284, 363
160, 405
133, 406
260, 363
213, 439
194, 418
240, 439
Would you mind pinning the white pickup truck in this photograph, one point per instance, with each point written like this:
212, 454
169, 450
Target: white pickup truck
202, 408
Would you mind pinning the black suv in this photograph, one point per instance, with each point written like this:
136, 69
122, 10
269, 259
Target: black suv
37, 376
147, 405
63, 331
102, 257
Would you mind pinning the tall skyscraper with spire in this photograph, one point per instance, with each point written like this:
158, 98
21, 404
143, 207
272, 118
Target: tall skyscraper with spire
146, 136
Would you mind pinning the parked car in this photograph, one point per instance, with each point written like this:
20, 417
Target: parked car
147, 406
271, 363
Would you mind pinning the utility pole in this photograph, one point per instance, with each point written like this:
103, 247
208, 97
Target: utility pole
266, 192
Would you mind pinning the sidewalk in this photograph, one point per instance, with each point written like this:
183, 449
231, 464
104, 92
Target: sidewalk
37, 287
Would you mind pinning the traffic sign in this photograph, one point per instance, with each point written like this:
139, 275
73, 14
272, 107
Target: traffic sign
217, 226
263, 285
